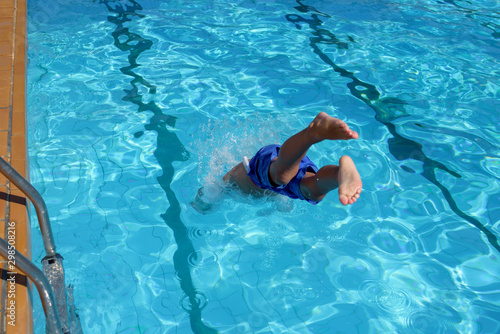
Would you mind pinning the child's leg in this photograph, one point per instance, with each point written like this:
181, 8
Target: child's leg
345, 177
238, 175
286, 165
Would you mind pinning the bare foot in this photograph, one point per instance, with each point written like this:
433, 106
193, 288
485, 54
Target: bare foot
328, 127
349, 181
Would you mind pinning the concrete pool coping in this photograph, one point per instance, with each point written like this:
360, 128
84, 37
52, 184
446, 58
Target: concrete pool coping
13, 149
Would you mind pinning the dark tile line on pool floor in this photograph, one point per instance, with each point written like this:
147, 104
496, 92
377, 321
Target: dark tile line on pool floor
386, 110
169, 149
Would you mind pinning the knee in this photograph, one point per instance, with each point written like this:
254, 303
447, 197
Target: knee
278, 178
281, 179
311, 190
314, 194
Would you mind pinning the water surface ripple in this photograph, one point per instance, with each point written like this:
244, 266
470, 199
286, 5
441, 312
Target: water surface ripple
133, 105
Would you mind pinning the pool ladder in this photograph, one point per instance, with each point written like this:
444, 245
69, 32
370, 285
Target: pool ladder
50, 282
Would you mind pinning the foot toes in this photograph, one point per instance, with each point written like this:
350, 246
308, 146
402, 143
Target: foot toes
344, 200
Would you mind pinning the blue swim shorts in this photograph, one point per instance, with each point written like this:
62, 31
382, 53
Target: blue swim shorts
259, 173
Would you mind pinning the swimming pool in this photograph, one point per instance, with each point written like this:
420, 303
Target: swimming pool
134, 105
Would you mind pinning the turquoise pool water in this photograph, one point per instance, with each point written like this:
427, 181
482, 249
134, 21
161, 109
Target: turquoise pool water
134, 105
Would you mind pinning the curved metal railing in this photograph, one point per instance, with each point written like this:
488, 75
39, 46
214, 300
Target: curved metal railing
38, 202
41, 282
50, 282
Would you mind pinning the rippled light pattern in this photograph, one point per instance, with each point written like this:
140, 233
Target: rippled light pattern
136, 104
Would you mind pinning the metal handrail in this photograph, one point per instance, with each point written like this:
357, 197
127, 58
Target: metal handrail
41, 282
38, 202
53, 272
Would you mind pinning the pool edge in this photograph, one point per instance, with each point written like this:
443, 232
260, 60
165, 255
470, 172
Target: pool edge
13, 148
